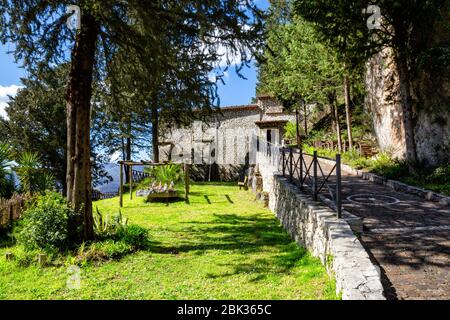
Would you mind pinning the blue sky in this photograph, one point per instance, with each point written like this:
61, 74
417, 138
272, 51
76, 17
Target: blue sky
236, 91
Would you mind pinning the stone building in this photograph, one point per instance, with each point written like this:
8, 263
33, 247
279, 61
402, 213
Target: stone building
224, 145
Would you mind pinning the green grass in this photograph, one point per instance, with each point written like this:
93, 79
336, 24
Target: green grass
222, 245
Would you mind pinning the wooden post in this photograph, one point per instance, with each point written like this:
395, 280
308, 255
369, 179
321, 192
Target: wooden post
186, 182
130, 170
121, 186
42, 259
9, 256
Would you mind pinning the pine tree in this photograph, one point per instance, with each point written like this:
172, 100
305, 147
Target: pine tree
38, 29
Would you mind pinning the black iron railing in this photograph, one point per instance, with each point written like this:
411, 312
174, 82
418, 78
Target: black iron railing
306, 171
97, 195
138, 176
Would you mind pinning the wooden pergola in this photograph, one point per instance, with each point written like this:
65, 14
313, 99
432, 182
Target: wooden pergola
130, 164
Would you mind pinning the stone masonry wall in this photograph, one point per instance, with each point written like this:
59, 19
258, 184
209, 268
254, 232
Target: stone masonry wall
315, 227
227, 134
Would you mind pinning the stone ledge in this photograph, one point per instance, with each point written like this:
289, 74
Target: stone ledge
316, 227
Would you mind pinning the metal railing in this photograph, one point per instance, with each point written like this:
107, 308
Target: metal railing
138, 176
97, 195
306, 171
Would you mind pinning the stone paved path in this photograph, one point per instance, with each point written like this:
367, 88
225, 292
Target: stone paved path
408, 237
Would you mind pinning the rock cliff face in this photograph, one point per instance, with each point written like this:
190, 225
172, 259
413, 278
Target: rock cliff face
431, 105
383, 102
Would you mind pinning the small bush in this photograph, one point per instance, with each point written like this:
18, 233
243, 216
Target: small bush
441, 175
45, 223
167, 173
390, 168
106, 227
133, 235
102, 251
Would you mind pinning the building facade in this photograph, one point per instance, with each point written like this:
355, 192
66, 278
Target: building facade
224, 146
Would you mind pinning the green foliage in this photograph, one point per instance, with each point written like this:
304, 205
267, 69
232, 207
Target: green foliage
108, 226
441, 174
385, 165
32, 176
290, 131
45, 223
36, 123
102, 251
6, 178
199, 250
134, 236
167, 173
298, 66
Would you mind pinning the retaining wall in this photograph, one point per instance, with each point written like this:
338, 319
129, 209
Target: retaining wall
315, 227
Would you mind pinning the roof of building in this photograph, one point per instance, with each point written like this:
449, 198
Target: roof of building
264, 96
242, 107
271, 123
234, 108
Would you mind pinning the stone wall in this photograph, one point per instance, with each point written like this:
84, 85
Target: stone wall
224, 138
315, 227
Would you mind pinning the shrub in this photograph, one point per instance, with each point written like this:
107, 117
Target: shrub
108, 226
441, 175
32, 175
167, 173
133, 235
6, 178
45, 223
105, 250
390, 168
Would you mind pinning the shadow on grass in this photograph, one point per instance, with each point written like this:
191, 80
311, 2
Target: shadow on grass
246, 235
6, 240
229, 199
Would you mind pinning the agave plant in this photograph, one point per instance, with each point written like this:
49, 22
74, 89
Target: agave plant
107, 225
168, 173
32, 176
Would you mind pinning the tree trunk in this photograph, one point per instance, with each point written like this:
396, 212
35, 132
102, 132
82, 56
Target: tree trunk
155, 130
126, 147
407, 108
334, 109
348, 111
78, 98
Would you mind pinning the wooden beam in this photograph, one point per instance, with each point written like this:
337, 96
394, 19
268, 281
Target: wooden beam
186, 182
143, 163
131, 181
121, 186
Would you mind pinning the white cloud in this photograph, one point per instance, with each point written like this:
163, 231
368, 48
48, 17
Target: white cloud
5, 92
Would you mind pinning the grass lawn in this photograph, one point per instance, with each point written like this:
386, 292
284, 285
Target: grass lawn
222, 245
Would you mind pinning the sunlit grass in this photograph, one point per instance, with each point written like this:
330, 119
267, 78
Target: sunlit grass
222, 245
